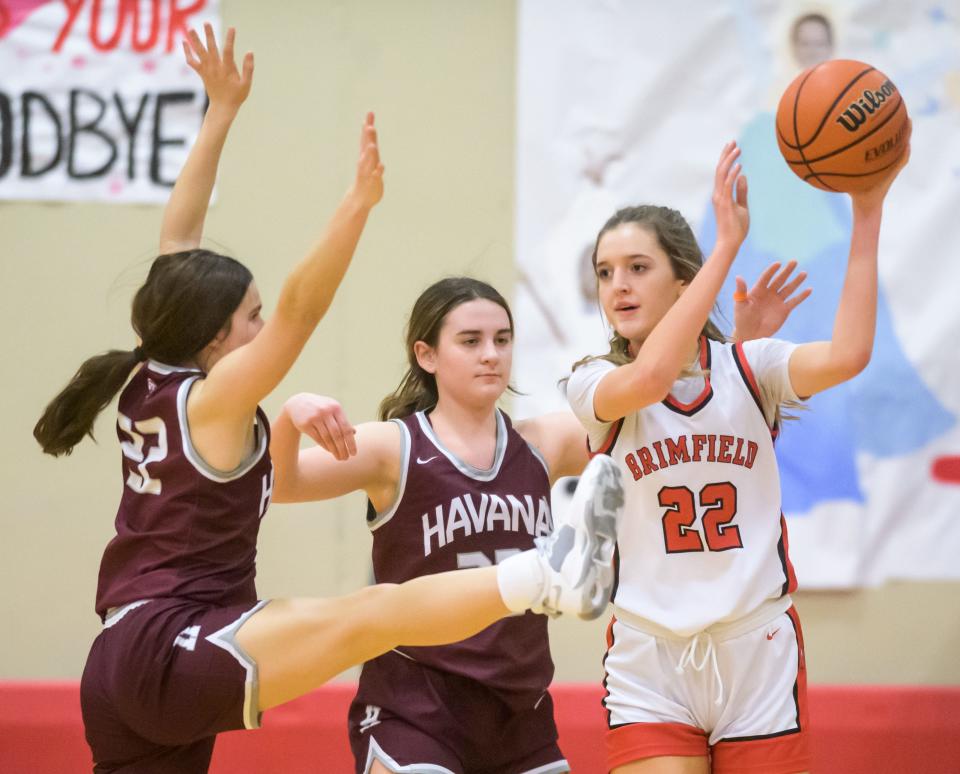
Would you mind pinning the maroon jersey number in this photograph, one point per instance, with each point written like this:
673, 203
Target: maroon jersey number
135, 450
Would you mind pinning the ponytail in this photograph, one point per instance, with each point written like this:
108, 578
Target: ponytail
70, 415
187, 299
417, 391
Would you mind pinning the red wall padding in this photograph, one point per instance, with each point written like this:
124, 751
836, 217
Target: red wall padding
857, 730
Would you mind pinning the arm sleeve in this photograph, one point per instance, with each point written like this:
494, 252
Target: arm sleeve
580, 388
769, 359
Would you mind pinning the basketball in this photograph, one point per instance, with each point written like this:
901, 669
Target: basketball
841, 124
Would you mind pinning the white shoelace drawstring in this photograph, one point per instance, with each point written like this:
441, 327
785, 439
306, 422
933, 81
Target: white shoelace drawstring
688, 657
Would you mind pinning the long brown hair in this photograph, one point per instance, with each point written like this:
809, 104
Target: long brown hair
676, 238
417, 390
187, 299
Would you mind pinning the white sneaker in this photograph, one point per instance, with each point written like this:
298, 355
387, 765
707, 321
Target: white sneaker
577, 557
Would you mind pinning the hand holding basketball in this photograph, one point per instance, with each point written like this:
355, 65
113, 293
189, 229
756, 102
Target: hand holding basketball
841, 125
874, 196
730, 198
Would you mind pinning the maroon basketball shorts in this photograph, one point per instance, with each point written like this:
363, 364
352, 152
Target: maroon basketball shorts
409, 715
162, 679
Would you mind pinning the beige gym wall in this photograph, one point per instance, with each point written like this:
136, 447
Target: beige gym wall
440, 75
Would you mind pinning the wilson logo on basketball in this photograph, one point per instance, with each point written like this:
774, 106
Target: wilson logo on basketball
866, 105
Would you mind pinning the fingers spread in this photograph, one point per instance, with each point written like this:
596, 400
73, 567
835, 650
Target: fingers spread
764, 279
211, 40
791, 286
794, 302
192, 62
196, 44
228, 45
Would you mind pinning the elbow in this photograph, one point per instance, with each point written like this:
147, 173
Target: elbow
851, 365
654, 383
857, 362
281, 493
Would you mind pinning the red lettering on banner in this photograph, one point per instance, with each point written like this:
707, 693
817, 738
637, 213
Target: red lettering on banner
73, 11
128, 18
178, 19
4, 18
140, 45
97, 14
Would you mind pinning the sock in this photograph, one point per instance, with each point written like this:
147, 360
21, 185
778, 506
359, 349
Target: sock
521, 582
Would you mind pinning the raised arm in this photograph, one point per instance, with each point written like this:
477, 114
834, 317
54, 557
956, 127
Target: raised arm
227, 88
348, 459
664, 353
242, 378
816, 366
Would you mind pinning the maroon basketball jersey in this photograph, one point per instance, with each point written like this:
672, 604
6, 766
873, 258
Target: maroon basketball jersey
183, 528
450, 515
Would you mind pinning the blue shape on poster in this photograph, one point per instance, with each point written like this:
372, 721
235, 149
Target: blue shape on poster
887, 410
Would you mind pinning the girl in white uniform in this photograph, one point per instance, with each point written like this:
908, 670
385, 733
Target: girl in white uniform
705, 666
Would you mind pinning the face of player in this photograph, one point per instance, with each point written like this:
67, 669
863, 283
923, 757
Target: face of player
635, 280
473, 355
811, 43
245, 323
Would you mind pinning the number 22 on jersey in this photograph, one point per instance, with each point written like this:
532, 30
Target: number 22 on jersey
719, 503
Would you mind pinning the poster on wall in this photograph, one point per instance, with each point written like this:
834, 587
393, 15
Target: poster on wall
96, 102
625, 103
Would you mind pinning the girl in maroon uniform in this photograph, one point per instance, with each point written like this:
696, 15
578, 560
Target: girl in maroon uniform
452, 483
187, 650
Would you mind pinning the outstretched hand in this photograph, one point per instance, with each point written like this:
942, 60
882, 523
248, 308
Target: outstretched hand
730, 198
224, 83
874, 196
323, 420
369, 183
761, 312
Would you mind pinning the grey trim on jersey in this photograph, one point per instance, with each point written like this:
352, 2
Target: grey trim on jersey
115, 614
405, 446
376, 753
163, 369
539, 456
226, 638
557, 767
193, 456
464, 467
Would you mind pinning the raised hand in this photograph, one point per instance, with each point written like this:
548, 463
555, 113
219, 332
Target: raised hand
761, 312
874, 196
323, 420
730, 198
224, 83
369, 183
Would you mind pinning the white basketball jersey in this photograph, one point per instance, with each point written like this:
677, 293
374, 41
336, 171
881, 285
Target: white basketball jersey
702, 539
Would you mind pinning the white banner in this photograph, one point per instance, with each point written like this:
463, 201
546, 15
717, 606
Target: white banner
630, 102
96, 101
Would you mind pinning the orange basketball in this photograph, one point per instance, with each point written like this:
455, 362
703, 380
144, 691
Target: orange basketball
840, 124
